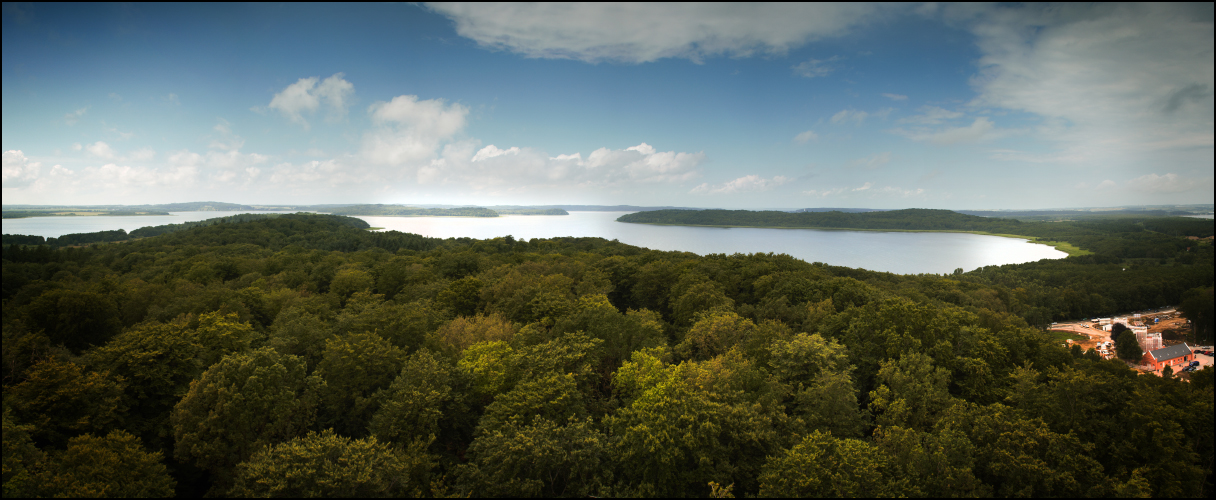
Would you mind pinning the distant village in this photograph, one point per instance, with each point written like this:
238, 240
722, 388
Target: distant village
1148, 328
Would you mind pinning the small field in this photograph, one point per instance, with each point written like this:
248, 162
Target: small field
1062, 335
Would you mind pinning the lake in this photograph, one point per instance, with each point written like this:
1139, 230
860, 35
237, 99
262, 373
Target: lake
896, 252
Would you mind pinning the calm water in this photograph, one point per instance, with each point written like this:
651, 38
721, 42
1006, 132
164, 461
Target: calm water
904, 253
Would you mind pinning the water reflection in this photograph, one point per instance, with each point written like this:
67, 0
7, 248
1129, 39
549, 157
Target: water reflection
904, 253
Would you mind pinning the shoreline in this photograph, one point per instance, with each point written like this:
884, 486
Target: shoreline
1063, 246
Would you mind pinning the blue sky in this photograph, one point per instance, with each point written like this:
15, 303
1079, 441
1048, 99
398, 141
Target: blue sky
734, 106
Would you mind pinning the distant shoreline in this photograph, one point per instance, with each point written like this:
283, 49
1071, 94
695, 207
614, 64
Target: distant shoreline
79, 213
1062, 246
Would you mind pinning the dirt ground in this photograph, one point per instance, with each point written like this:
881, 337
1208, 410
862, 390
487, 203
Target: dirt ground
1173, 330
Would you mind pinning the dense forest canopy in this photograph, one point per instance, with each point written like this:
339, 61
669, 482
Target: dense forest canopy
302, 355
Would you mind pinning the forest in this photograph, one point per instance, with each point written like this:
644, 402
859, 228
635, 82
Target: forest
303, 355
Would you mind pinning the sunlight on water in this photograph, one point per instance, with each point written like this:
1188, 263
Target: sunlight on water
904, 253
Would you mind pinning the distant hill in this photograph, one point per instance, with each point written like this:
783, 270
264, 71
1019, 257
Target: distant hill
406, 211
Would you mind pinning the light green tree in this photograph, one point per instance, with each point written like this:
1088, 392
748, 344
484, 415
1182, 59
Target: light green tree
683, 426
327, 465
715, 333
538, 458
913, 393
824, 466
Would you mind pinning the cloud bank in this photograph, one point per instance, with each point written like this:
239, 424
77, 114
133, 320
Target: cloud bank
645, 32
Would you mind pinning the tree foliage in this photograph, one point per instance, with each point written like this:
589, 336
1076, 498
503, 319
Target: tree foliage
300, 354
327, 465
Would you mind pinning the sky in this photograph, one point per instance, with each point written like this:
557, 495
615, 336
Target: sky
723, 105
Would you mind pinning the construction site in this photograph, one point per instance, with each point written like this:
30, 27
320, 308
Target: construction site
1155, 330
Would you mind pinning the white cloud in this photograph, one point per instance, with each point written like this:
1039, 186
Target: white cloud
305, 96
867, 190
981, 129
932, 115
121, 135
335, 91
491, 151
742, 184
143, 155
814, 67
1114, 83
101, 150
895, 97
644, 32
805, 137
873, 161
491, 169
74, 116
409, 131
172, 99
18, 170
76, 146
850, 115
1168, 183
227, 140
1106, 184
823, 193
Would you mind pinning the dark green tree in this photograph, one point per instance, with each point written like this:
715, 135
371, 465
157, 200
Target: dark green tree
1128, 348
241, 404
114, 466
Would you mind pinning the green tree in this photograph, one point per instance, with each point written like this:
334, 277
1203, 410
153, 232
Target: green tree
241, 404
457, 335
555, 397
913, 393
682, 426
298, 332
825, 466
221, 334
621, 333
462, 296
1196, 306
157, 361
60, 399
1019, 456
327, 465
116, 466
74, 318
414, 406
539, 458
1127, 348
819, 376
22, 460
350, 280
355, 366
715, 333
694, 294
930, 464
